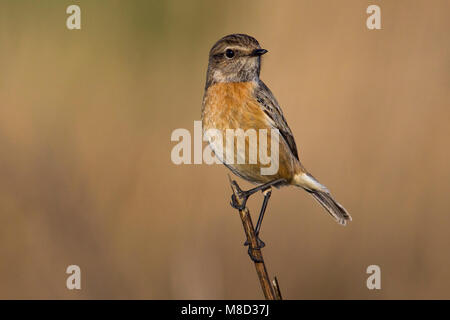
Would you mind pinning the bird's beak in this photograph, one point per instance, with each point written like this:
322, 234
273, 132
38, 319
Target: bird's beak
259, 52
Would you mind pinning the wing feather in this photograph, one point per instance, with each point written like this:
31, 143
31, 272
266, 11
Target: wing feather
273, 111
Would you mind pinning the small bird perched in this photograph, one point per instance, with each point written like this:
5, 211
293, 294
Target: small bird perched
235, 98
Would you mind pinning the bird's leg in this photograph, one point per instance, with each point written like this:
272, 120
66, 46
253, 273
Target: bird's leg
244, 195
267, 193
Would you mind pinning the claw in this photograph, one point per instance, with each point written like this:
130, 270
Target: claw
241, 194
252, 256
235, 204
261, 244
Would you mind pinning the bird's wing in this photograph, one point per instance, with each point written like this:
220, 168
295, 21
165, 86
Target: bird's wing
272, 109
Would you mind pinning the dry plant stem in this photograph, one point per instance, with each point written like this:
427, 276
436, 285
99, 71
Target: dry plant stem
276, 287
271, 292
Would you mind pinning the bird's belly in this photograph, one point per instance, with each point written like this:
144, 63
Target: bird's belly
241, 134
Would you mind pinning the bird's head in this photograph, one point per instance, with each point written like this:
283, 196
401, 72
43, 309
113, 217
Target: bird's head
234, 58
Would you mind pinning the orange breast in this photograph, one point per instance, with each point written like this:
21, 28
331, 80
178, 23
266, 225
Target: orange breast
233, 106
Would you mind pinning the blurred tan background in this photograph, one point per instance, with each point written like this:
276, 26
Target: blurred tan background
85, 170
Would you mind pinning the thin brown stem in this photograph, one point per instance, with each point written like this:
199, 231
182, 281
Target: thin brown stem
271, 291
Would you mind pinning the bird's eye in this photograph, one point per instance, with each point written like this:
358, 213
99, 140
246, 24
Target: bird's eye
229, 53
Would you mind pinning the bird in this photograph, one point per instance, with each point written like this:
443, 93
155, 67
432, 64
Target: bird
236, 98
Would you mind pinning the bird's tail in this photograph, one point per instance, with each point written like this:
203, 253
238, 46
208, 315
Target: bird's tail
323, 196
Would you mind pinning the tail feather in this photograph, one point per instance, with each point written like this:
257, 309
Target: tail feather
334, 208
323, 196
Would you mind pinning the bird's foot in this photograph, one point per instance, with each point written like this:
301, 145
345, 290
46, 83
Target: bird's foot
243, 195
260, 244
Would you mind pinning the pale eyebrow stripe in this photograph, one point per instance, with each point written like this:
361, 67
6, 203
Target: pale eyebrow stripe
238, 48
